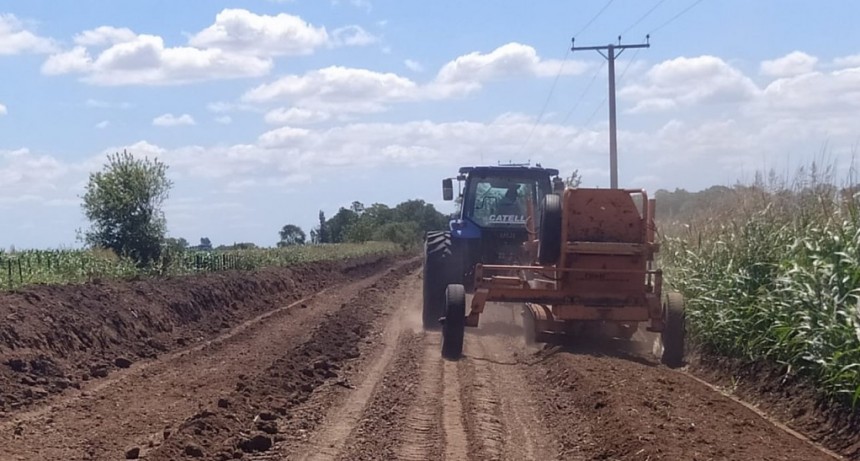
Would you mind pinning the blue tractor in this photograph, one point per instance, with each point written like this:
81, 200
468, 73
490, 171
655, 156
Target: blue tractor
491, 226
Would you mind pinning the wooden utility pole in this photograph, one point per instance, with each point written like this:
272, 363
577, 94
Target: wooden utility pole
612, 52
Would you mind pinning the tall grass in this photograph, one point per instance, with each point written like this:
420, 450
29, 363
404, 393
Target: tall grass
31, 267
772, 273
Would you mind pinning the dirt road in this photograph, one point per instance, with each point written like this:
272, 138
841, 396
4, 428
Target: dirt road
348, 374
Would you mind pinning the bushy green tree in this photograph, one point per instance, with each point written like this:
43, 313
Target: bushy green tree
123, 204
291, 235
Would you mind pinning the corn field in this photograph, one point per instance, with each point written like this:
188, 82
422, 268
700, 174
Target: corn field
773, 274
31, 267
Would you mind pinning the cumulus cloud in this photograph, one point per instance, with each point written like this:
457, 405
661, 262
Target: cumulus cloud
23, 172
224, 120
3, 110
348, 89
168, 120
686, 81
239, 44
510, 60
104, 36
354, 90
792, 64
16, 39
295, 116
103, 124
145, 60
242, 31
847, 61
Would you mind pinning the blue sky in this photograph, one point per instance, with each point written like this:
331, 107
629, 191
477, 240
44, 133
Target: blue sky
268, 111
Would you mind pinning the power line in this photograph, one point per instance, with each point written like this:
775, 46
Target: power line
557, 75
593, 18
673, 18
584, 92
546, 102
612, 52
641, 18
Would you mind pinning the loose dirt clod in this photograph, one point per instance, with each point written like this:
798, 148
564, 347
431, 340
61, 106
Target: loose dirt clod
256, 443
132, 453
193, 450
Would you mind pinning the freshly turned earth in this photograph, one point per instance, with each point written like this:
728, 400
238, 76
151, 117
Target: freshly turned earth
329, 361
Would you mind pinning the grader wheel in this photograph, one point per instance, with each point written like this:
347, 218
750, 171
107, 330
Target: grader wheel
673, 330
454, 324
549, 246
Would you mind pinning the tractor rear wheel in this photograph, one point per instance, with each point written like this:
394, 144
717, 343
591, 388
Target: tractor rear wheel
454, 326
438, 273
549, 246
673, 330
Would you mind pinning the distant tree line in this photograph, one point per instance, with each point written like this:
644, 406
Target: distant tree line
403, 224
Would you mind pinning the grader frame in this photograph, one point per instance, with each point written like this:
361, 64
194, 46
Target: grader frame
593, 269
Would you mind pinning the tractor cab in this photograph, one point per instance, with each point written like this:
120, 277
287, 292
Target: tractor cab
499, 207
499, 210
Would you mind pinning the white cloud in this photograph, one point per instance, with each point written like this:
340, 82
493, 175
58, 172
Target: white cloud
242, 31
146, 61
353, 90
24, 173
414, 66
104, 35
167, 120
76, 60
847, 61
792, 64
295, 116
224, 120
348, 89
103, 124
687, 81
826, 102
3, 110
352, 36
15, 39
506, 61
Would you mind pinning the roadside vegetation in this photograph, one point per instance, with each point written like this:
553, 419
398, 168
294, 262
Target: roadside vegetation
771, 273
127, 235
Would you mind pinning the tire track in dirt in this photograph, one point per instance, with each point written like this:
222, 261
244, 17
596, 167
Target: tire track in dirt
263, 416
482, 410
358, 405
423, 426
457, 432
511, 423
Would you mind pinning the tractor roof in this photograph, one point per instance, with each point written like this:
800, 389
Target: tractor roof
508, 170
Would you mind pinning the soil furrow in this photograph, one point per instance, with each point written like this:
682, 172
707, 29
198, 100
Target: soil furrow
143, 406
458, 433
378, 434
422, 434
343, 419
482, 410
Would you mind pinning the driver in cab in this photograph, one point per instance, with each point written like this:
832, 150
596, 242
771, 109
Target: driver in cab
510, 204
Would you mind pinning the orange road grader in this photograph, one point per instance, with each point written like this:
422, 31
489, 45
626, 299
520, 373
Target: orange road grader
588, 265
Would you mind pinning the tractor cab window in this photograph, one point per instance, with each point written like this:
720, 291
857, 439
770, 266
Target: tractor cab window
500, 201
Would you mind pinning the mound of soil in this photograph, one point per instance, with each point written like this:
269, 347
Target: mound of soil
54, 337
264, 409
791, 399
